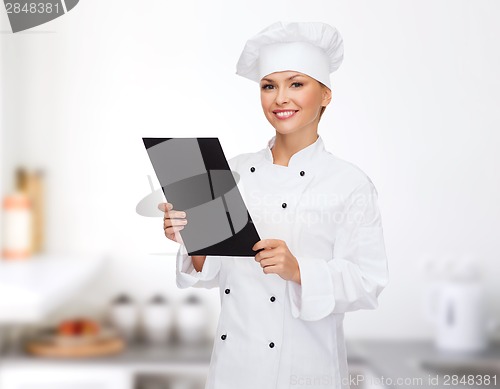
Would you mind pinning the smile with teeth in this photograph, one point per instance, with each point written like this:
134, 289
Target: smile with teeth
284, 114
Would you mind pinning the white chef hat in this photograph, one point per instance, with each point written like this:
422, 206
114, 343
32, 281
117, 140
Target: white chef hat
313, 48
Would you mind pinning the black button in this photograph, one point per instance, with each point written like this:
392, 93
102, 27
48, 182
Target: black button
271, 344
273, 299
252, 169
283, 205
223, 337
302, 172
227, 291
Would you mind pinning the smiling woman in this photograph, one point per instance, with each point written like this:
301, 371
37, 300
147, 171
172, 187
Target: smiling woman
293, 101
282, 311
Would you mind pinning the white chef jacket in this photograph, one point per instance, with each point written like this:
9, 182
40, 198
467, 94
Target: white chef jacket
277, 334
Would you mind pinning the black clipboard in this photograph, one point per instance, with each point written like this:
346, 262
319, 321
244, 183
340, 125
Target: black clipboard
196, 178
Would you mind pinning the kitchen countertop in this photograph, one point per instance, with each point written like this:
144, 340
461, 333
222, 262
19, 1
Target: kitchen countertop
398, 364
393, 363
136, 357
31, 289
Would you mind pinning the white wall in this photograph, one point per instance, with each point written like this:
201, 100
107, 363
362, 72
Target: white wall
414, 105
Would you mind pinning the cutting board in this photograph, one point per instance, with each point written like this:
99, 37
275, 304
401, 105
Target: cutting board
83, 350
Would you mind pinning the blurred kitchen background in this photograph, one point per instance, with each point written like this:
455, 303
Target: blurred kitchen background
87, 285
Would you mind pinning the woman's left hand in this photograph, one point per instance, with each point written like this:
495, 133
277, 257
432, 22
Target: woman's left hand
276, 258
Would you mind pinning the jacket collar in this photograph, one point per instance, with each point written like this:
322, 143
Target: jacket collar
302, 157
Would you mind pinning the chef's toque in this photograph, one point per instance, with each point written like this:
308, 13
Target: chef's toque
313, 48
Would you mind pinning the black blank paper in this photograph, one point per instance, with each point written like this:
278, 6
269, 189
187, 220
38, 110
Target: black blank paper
196, 178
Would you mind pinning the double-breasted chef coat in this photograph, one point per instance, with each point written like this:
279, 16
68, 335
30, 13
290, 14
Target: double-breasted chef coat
277, 334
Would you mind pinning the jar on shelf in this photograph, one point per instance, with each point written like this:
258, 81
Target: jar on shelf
157, 320
32, 184
124, 316
192, 320
17, 226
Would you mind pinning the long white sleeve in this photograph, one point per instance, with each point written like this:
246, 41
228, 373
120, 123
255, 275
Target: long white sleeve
186, 274
358, 271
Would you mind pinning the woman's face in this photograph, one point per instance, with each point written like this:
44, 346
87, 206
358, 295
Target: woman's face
292, 101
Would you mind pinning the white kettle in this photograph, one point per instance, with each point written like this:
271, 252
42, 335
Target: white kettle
456, 307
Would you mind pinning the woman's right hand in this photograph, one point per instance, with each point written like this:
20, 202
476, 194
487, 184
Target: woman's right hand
172, 221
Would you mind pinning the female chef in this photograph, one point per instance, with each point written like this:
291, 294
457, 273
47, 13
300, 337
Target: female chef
282, 311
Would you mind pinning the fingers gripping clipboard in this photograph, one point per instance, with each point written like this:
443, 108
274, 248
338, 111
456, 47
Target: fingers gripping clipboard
196, 178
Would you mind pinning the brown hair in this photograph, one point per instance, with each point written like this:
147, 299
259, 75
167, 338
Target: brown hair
321, 113
322, 108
